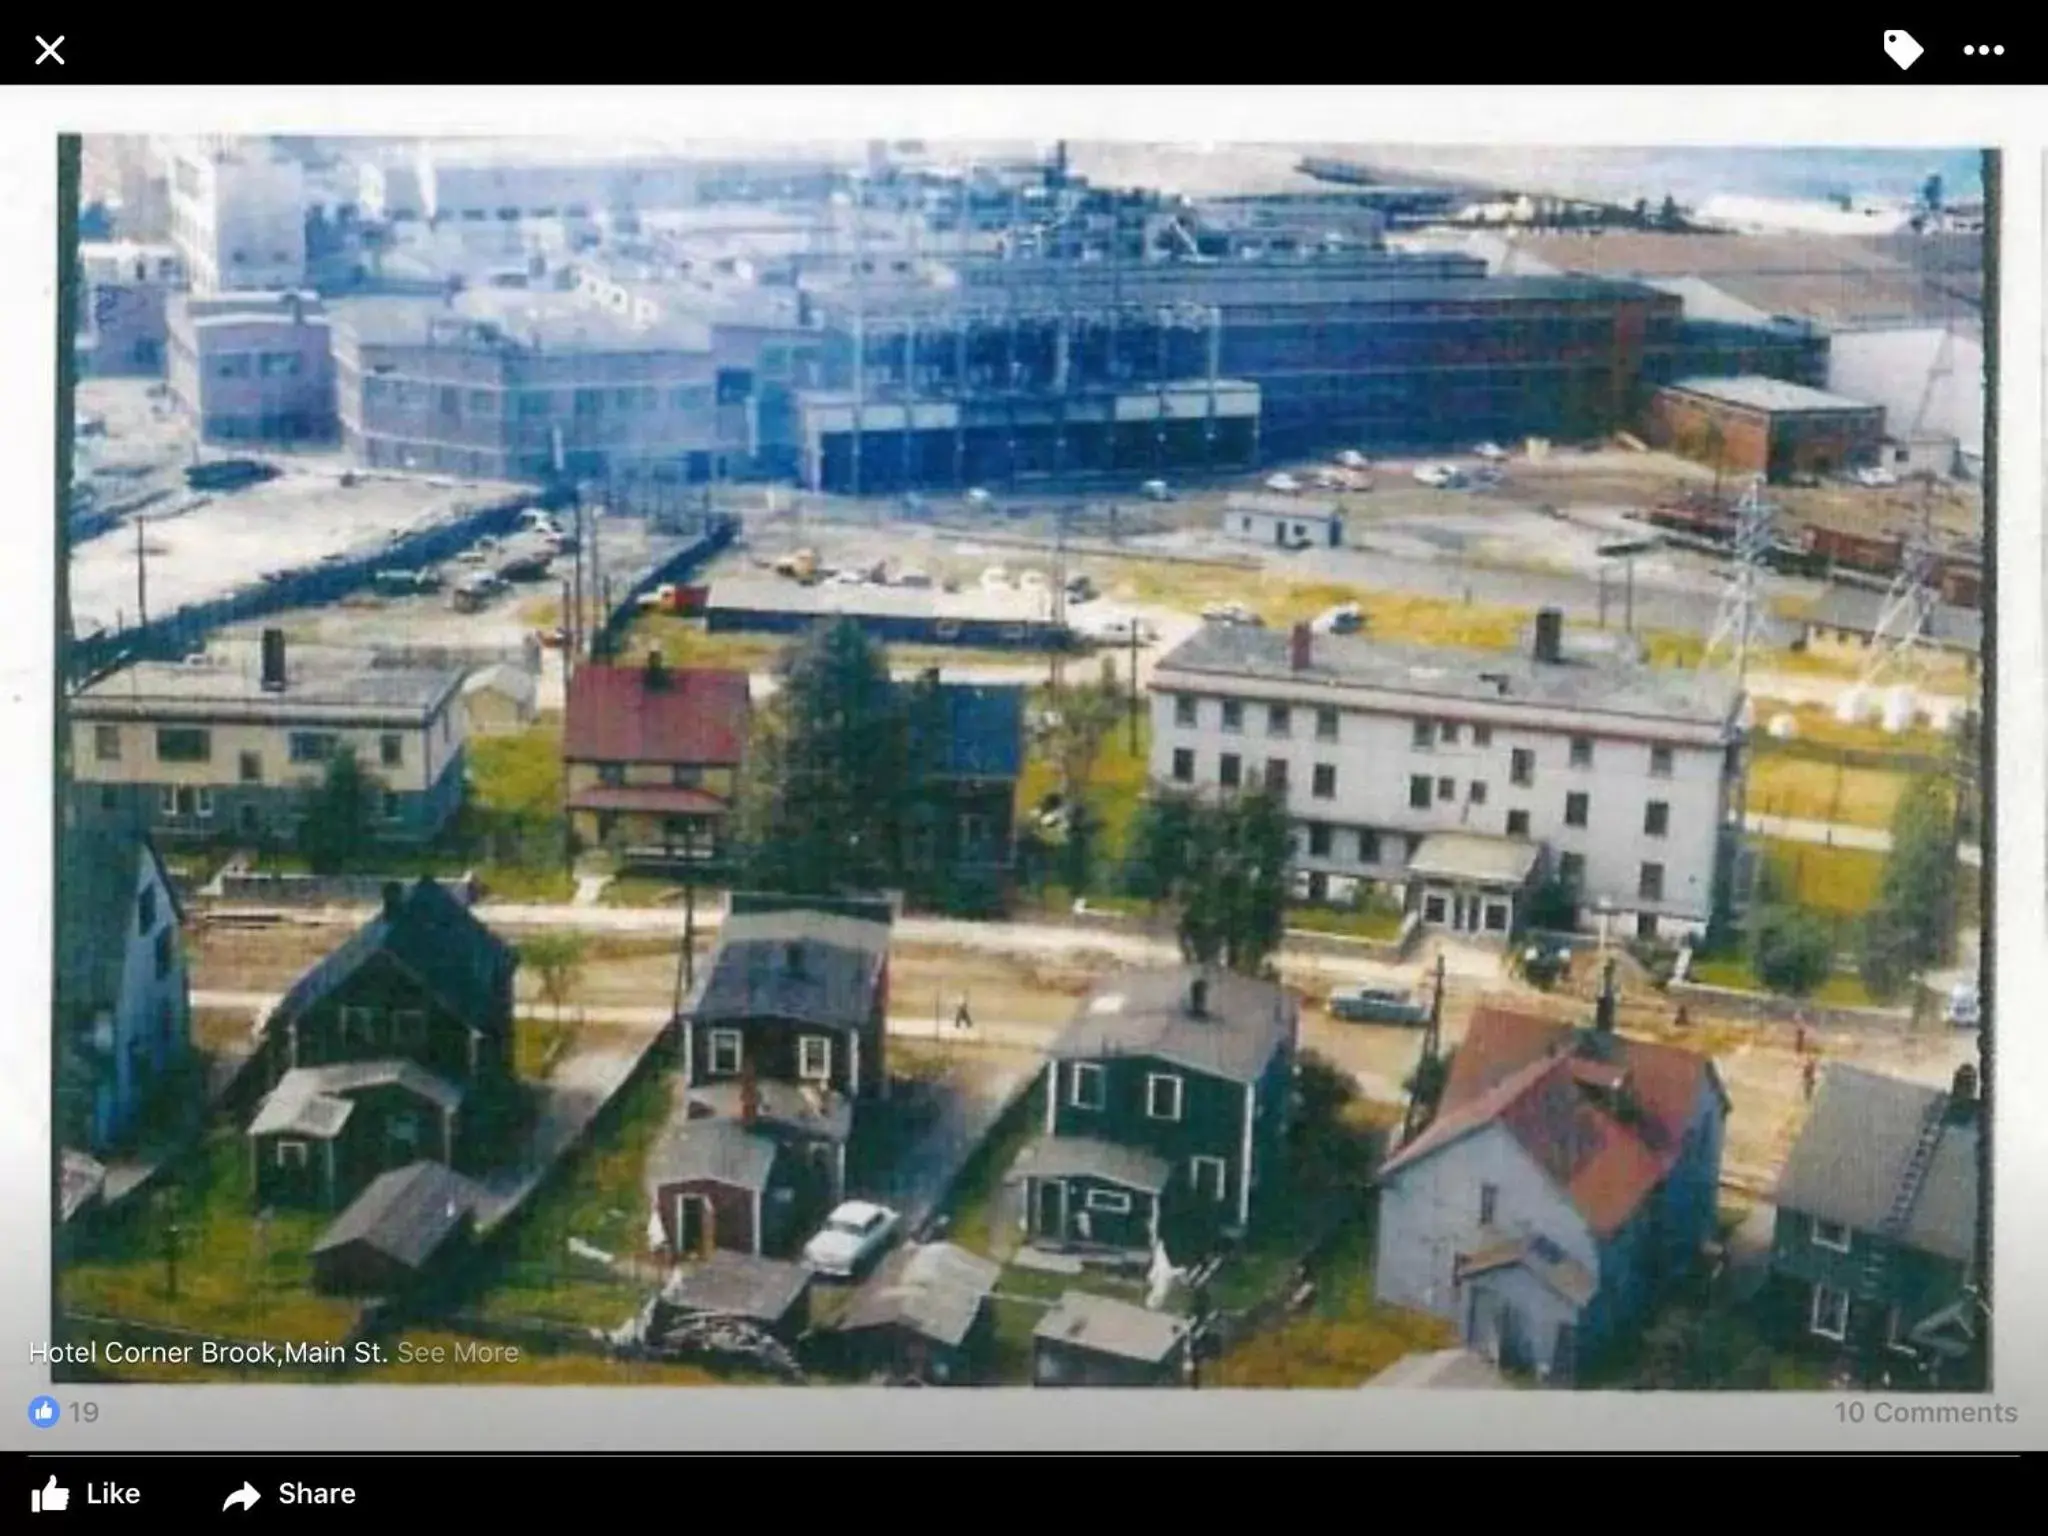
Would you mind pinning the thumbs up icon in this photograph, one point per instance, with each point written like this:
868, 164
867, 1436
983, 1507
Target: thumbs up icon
49, 1497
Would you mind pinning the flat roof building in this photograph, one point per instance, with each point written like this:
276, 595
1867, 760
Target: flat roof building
1759, 426
252, 368
237, 215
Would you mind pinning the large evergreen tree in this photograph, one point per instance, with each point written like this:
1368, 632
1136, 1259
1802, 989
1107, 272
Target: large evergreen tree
823, 809
1232, 889
1906, 932
336, 824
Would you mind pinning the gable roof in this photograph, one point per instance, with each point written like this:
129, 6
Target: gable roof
1086, 1157
810, 967
516, 683
729, 1284
695, 716
315, 1102
435, 938
1244, 1023
715, 1150
1108, 1326
1603, 1117
405, 1214
968, 730
1852, 1155
936, 1290
99, 872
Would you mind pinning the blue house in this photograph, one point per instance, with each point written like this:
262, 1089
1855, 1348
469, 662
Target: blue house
1568, 1176
966, 749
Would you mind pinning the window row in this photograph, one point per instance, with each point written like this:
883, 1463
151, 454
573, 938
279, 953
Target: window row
1088, 1088
1230, 773
681, 775
727, 1048
401, 1028
194, 744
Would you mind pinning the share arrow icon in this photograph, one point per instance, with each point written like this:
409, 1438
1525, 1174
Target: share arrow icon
244, 1497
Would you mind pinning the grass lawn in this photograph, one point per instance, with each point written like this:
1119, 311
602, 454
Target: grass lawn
1841, 990
1379, 922
1116, 789
596, 1197
1841, 881
234, 1280
1817, 724
1806, 789
537, 1044
645, 891
519, 773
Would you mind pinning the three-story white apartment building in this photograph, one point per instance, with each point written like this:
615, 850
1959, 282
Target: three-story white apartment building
1467, 779
228, 746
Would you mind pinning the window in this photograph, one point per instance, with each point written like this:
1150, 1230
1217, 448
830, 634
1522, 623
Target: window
1482, 735
1425, 735
1830, 1316
1085, 1090
1184, 711
1230, 770
409, 1027
1319, 839
1210, 1176
1660, 762
1279, 720
1518, 823
686, 776
1183, 766
1326, 725
145, 911
611, 775
1324, 782
391, 750
106, 743
1476, 792
1368, 846
1832, 1235
1447, 789
725, 1051
1111, 1202
1233, 715
202, 803
1418, 792
1571, 870
393, 805
1489, 1201
1522, 767
1656, 819
1276, 774
357, 1024
1582, 751
312, 746
1447, 732
183, 744
166, 956
814, 1058
1163, 1093
1650, 885
405, 1131
252, 768
291, 1154
1576, 806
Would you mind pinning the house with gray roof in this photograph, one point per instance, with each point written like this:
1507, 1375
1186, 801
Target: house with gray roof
1166, 1111
407, 1225
1876, 1231
1845, 622
923, 1316
769, 1294
121, 992
323, 1133
718, 1180
1099, 1341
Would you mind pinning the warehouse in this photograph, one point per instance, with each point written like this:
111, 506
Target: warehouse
1282, 522
1758, 426
1844, 626
986, 619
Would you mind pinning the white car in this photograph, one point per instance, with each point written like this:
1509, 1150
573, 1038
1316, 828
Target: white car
1438, 476
1876, 477
1965, 1007
1157, 490
1286, 485
1493, 453
853, 1236
979, 497
1230, 613
1351, 458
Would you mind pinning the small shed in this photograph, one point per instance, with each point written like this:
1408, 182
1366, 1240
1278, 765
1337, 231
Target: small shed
923, 1317
1099, 1341
324, 1132
1282, 522
771, 1295
712, 1185
500, 699
409, 1224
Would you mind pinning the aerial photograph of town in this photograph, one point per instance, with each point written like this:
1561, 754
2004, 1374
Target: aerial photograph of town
1063, 764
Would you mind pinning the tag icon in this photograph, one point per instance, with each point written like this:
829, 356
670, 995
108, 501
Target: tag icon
1903, 50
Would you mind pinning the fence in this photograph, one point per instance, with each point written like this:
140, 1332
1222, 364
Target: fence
1785, 1010
718, 532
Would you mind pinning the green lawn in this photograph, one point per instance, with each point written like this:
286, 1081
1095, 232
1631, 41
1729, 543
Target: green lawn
597, 1197
1841, 990
1381, 923
1116, 787
1840, 881
223, 1274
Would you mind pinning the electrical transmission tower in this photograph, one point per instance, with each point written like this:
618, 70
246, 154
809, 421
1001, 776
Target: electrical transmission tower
1902, 621
1742, 605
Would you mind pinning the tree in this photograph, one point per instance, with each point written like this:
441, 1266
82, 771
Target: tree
338, 817
558, 959
1794, 951
1906, 931
1930, 193
1668, 217
1162, 832
1642, 213
1232, 892
1077, 849
829, 770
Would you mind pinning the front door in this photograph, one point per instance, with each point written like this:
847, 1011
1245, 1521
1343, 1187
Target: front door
1052, 1209
693, 1225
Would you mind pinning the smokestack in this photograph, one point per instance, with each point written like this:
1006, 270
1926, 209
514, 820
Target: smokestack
1198, 997
657, 671
1603, 1014
394, 898
273, 661
1550, 635
1298, 647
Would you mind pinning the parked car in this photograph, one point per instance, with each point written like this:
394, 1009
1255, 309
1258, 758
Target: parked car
853, 1237
1377, 1005
1546, 961
1965, 1008
1493, 453
979, 497
1344, 619
1286, 485
1875, 477
1440, 477
1157, 490
1351, 458
1230, 613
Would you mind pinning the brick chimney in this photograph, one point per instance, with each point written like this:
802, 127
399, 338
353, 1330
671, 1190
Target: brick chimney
1603, 1013
1298, 647
1198, 997
657, 671
750, 1095
273, 661
1550, 636
394, 899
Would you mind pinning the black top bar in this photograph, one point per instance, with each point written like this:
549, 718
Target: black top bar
1789, 49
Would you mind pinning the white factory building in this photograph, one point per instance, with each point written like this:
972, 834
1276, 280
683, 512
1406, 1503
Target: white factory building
1466, 780
237, 214
1930, 381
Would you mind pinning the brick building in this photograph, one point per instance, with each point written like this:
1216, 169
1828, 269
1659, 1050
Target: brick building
1758, 426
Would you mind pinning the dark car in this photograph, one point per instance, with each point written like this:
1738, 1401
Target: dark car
1377, 1005
1546, 962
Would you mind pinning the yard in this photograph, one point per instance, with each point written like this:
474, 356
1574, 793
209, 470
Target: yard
1841, 990
1378, 921
1842, 882
1817, 724
595, 1197
1799, 788
196, 1258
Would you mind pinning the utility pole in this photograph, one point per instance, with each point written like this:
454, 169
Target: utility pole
1133, 685
1432, 1042
141, 575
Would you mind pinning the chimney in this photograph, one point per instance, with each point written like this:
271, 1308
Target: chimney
1298, 647
273, 661
1550, 635
657, 671
1198, 997
394, 898
750, 1095
1962, 1096
1603, 1013
793, 959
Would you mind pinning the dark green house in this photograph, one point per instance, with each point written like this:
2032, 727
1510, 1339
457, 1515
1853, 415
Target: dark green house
1166, 1110
1875, 1241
